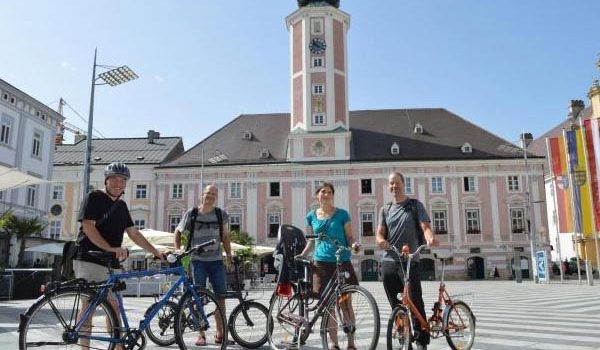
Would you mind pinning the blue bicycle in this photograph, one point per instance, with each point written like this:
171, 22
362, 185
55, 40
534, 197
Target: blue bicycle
76, 314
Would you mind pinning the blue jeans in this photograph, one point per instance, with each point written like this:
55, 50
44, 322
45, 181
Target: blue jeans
214, 270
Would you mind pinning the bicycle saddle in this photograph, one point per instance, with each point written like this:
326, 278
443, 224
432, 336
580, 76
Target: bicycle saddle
106, 257
443, 255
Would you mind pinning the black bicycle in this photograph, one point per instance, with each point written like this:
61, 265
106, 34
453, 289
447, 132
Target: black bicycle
350, 316
247, 322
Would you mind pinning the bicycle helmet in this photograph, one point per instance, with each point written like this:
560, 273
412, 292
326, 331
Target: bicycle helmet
117, 169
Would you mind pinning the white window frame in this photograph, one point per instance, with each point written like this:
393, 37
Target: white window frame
435, 182
269, 189
471, 184
318, 89
360, 187
514, 219
472, 220
31, 196
318, 62
395, 149
58, 192
367, 216
141, 191
235, 190
174, 222
6, 130
54, 228
316, 184
140, 224
408, 185
3, 195
36, 147
439, 219
233, 217
319, 119
273, 217
177, 191
513, 183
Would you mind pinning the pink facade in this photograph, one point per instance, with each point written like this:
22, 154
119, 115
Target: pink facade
340, 99
338, 49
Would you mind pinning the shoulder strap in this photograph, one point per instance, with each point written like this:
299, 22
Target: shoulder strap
193, 217
219, 214
412, 203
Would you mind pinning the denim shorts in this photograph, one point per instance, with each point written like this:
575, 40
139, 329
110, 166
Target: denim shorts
214, 271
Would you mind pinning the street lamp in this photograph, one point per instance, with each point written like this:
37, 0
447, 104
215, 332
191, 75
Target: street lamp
113, 76
526, 139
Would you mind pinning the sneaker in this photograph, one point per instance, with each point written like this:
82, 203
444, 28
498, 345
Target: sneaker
420, 346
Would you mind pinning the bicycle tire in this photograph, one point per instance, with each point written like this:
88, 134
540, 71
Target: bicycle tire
44, 317
189, 321
249, 337
165, 320
281, 335
457, 318
359, 324
399, 329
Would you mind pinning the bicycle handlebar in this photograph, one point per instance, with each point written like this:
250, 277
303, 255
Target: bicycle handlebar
406, 251
172, 258
335, 242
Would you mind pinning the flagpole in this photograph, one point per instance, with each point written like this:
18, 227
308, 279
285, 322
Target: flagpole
576, 218
554, 199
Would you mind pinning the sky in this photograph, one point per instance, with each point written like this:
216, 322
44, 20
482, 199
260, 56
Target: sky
508, 66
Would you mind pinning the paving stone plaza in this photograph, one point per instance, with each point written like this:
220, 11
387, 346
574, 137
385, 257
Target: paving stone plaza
509, 315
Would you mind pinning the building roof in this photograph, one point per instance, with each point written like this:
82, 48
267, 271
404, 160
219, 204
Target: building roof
538, 146
127, 150
373, 133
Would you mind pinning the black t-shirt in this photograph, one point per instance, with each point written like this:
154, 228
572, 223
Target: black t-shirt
95, 206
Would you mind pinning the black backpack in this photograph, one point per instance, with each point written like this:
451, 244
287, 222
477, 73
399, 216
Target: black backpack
66, 263
412, 206
194, 216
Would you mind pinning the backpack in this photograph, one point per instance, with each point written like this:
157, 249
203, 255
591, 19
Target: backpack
412, 206
194, 216
66, 263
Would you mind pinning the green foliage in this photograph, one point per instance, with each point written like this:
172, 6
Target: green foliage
22, 228
242, 238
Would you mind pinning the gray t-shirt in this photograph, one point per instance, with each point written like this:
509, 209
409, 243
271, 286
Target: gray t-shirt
205, 229
400, 226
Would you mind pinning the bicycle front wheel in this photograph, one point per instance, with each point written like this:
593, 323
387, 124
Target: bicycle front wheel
459, 326
161, 329
50, 322
248, 324
198, 322
399, 331
283, 321
351, 320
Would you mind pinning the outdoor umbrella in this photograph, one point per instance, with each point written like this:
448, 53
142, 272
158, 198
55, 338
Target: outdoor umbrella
11, 178
49, 248
153, 236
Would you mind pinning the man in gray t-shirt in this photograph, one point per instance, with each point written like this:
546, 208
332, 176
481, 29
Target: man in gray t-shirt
399, 225
209, 264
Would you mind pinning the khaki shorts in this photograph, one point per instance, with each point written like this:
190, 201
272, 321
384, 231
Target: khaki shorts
323, 271
92, 273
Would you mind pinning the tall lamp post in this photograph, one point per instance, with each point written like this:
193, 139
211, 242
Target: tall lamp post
526, 139
113, 76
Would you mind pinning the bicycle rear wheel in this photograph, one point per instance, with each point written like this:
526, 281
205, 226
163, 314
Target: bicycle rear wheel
399, 331
251, 333
198, 320
352, 319
459, 326
282, 331
161, 329
49, 322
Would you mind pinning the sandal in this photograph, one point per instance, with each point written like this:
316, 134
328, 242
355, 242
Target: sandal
219, 340
201, 341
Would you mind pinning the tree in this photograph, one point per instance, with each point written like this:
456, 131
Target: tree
23, 228
242, 238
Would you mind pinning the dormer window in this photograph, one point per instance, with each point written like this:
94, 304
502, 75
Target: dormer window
466, 148
395, 149
247, 135
418, 128
264, 153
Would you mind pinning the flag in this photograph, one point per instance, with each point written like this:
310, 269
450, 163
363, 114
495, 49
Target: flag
582, 204
592, 140
558, 167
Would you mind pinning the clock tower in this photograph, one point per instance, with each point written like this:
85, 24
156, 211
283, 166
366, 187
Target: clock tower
319, 120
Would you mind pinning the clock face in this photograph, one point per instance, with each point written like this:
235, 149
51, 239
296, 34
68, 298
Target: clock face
317, 46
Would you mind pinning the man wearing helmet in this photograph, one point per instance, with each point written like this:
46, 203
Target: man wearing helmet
104, 218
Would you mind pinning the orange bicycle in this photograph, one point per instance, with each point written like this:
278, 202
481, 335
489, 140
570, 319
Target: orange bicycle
451, 318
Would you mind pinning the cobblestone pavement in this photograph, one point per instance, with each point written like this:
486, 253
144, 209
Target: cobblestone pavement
509, 315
